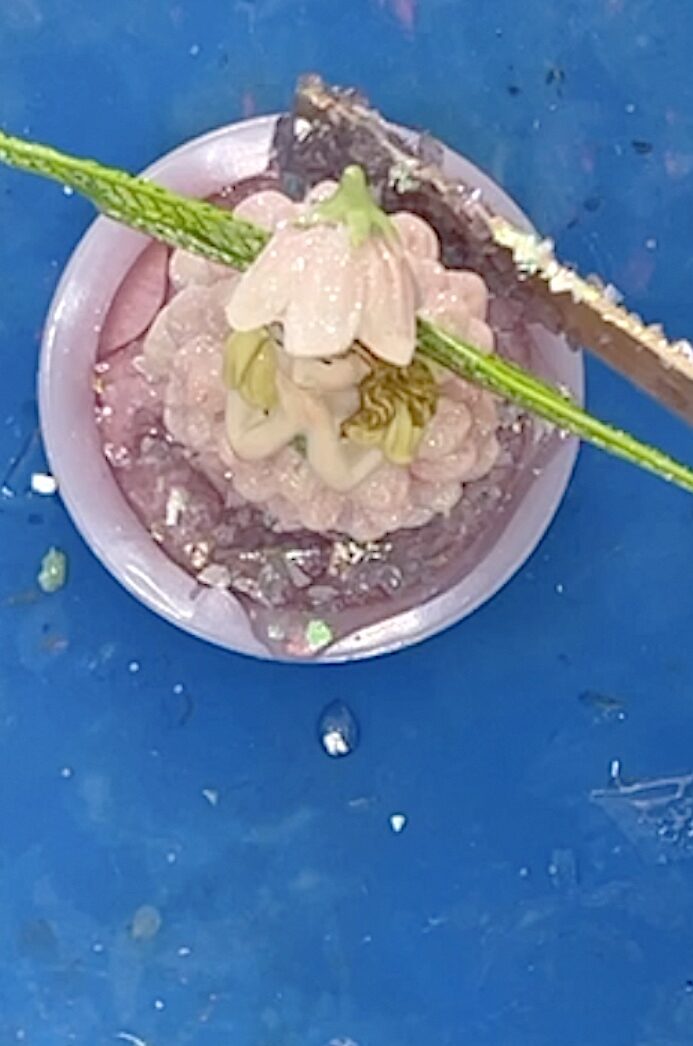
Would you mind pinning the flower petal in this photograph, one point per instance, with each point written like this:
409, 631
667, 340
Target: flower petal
453, 467
185, 269
488, 452
267, 209
262, 293
449, 311
431, 277
325, 305
138, 299
416, 235
193, 311
446, 431
388, 319
471, 289
321, 191
481, 335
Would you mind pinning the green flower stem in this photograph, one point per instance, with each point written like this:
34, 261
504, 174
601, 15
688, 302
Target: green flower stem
352, 204
216, 234
518, 385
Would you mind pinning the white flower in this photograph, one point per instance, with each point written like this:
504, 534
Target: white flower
338, 270
328, 293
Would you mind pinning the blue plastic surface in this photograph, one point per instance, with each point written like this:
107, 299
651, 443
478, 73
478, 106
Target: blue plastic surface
139, 767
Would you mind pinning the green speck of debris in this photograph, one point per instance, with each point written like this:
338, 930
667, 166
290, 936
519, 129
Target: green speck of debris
318, 634
53, 573
300, 443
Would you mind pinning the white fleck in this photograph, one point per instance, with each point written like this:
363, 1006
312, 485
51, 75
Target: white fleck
613, 294
184, 950
68, 190
215, 575
524, 872
433, 922
366, 939
211, 795
615, 770
66, 772
43, 483
335, 743
559, 589
175, 505
562, 280
178, 688
651, 243
97, 947
134, 1040
21, 1035
159, 1004
133, 667
398, 823
195, 50
630, 108
171, 857
552, 869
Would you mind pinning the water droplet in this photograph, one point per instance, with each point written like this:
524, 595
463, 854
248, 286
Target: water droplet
146, 923
338, 730
68, 190
563, 869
